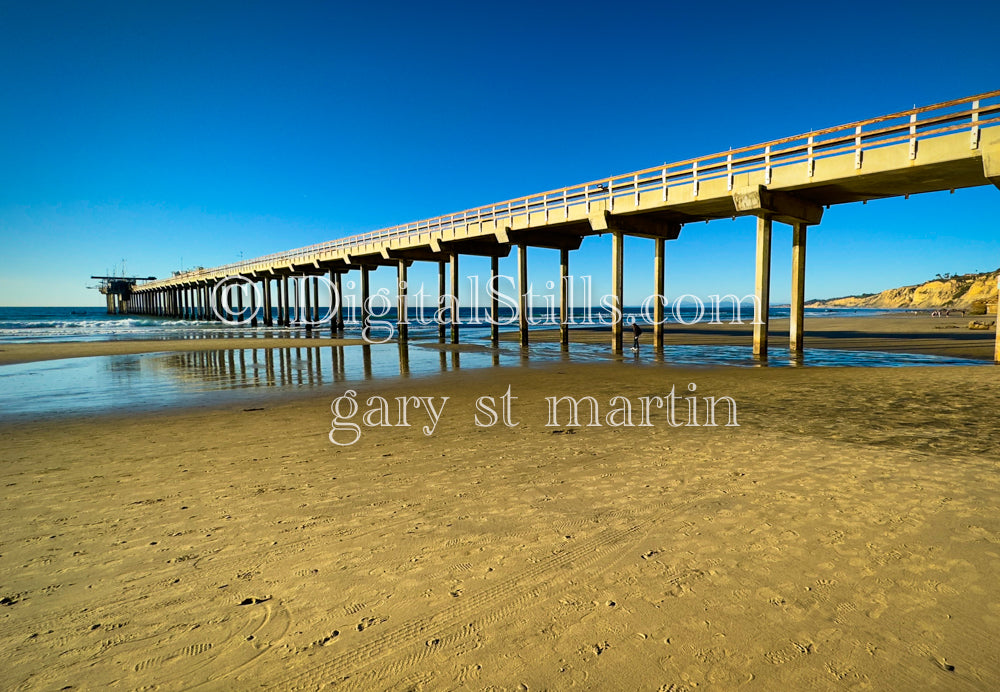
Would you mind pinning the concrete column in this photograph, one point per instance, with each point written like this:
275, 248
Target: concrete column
494, 302
239, 299
564, 306
522, 292
268, 320
762, 285
253, 304
316, 299
797, 313
307, 313
454, 297
659, 289
219, 311
441, 294
340, 305
996, 347
283, 307
365, 289
401, 290
107, 298
996, 322
618, 288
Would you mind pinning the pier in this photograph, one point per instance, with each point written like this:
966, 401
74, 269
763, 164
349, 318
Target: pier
945, 146
118, 291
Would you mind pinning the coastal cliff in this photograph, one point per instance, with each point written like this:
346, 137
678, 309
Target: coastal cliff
965, 292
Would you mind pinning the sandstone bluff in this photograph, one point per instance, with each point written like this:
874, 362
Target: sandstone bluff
964, 292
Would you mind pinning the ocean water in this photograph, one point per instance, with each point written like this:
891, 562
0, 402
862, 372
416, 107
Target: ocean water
94, 324
153, 381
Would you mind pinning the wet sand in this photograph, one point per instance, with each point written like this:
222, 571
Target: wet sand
844, 535
897, 333
11, 353
903, 333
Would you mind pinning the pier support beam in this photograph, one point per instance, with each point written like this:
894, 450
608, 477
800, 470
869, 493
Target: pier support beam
338, 314
268, 320
454, 297
365, 287
996, 322
315, 282
283, 300
219, 312
762, 286
402, 324
617, 288
307, 302
253, 303
564, 306
494, 302
441, 294
522, 292
659, 290
797, 313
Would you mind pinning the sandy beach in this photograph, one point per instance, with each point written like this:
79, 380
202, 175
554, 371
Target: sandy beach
842, 536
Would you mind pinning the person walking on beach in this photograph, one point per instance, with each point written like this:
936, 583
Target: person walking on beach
636, 331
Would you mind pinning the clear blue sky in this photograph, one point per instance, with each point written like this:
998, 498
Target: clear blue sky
174, 134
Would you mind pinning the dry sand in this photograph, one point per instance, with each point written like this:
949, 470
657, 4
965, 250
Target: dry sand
845, 535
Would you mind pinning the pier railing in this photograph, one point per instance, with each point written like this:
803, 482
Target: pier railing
623, 191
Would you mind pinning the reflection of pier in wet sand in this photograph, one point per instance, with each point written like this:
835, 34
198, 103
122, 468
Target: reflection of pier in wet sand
310, 366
